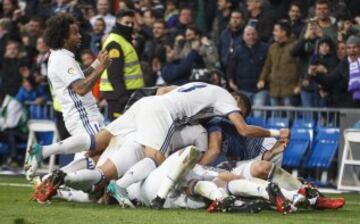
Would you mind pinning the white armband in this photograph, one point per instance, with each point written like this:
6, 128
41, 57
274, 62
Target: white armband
95, 64
274, 133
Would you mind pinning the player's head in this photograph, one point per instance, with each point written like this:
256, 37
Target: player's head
62, 31
243, 102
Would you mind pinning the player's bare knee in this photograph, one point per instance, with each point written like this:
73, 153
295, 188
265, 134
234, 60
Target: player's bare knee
109, 170
154, 154
102, 140
260, 169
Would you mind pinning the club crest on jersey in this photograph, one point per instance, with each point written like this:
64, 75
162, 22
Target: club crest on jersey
114, 53
71, 71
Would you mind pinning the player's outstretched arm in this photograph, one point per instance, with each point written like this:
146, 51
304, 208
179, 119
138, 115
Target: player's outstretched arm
214, 149
83, 86
254, 131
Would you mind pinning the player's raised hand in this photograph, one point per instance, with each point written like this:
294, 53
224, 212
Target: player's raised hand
104, 59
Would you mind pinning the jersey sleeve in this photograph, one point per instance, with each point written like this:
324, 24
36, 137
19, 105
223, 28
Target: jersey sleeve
214, 125
225, 103
69, 71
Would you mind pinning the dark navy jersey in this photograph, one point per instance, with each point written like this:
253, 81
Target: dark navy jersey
235, 145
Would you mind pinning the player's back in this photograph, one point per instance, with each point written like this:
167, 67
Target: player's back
199, 99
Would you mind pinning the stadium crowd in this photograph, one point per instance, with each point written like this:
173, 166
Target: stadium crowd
292, 53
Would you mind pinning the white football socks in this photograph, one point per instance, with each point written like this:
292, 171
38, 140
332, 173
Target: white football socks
73, 144
79, 164
284, 179
181, 166
209, 190
84, 179
137, 172
247, 188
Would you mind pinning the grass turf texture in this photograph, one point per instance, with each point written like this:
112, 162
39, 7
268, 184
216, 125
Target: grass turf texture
15, 207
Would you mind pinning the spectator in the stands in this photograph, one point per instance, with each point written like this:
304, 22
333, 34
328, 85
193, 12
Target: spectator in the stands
171, 13
156, 46
30, 91
182, 46
230, 38
222, 19
281, 70
5, 35
33, 30
341, 50
13, 126
304, 49
177, 71
323, 61
338, 79
326, 23
345, 29
245, 67
97, 35
60, 6
39, 67
103, 11
295, 18
185, 18
10, 68
260, 18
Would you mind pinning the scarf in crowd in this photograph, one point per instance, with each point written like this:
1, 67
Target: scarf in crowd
354, 79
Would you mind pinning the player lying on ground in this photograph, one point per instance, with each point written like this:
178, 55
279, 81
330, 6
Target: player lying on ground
154, 120
117, 157
214, 185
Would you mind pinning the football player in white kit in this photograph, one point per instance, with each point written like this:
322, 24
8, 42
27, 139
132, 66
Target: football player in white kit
70, 85
156, 118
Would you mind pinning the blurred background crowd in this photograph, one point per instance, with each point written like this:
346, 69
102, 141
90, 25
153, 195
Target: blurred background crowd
278, 52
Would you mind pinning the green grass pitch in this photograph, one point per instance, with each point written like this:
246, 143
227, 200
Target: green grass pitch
16, 207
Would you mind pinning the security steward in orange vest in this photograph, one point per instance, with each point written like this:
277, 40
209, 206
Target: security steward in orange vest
124, 75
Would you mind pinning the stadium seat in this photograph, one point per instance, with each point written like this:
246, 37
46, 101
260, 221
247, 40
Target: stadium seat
4, 148
277, 123
324, 149
258, 121
42, 128
299, 143
304, 123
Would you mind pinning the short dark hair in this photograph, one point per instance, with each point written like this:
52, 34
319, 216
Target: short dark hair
161, 21
123, 13
238, 11
57, 30
194, 28
245, 101
323, 2
285, 26
297, 4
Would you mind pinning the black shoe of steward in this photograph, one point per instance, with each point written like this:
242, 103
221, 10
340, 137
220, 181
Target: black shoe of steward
157, 202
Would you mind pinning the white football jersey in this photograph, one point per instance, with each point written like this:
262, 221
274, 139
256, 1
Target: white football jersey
63, 70
193, 101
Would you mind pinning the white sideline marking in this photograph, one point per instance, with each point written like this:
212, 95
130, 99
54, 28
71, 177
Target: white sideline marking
15, 185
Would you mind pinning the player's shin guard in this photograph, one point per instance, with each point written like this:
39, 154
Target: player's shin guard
186, 161
284, 179
85, 179
247, 188
137, 172
73, 144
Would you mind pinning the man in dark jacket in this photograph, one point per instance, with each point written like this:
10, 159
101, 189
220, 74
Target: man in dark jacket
245, 67
178, 71
230, 37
